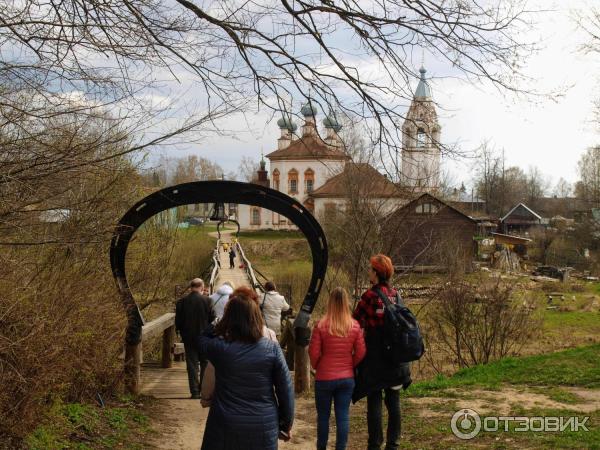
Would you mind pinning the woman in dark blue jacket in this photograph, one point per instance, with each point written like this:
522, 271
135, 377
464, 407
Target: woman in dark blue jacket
253, 402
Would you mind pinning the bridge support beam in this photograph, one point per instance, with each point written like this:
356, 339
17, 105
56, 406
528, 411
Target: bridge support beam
168, 343
133, 362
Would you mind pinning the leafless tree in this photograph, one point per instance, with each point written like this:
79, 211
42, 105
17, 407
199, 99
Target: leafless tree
247, 169
120, 54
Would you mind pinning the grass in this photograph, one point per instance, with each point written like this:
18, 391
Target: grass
271, 234
427, 407
86, 426
573, 367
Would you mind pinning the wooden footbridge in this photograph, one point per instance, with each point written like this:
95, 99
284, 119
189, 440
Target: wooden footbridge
168, 379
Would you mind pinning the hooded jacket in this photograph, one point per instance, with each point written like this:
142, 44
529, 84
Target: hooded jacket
272, 304
220, 298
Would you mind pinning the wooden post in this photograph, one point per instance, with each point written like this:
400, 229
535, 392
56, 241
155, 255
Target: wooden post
301, 369
133, 360
301, 360
168, 342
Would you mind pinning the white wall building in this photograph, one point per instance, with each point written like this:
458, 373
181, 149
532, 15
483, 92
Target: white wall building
319, 174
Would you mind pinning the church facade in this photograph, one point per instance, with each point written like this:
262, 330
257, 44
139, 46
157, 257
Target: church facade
314, 169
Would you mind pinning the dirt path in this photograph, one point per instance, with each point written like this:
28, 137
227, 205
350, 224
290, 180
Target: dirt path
179, 425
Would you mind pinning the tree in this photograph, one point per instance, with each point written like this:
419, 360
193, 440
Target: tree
562, 189
194, 168
247, 169
588, 187
101, 52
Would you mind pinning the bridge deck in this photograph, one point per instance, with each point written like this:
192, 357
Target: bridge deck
236, 276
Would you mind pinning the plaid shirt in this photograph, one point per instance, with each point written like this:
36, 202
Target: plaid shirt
369, 311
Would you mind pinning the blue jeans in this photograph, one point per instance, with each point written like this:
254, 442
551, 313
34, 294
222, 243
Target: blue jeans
340, 391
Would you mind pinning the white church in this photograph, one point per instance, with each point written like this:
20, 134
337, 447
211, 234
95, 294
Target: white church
318, 173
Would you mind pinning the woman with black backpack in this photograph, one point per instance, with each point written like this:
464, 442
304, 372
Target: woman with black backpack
377, 375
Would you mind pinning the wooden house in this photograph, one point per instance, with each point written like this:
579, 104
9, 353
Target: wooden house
428, 231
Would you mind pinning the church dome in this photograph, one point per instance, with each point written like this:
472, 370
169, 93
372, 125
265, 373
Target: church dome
285, 123
309, 110
331, 122
423, 89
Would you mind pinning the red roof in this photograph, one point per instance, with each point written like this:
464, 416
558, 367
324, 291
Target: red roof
308, 147
364, 177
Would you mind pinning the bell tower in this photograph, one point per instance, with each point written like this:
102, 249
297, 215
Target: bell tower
421, 141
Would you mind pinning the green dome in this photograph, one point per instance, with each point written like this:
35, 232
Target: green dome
331, 122
309, 110
286, 123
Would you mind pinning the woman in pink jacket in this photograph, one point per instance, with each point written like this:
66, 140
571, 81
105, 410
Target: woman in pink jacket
336, 348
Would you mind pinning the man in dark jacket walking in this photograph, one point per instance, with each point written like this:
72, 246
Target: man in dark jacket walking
193, 314
232, 258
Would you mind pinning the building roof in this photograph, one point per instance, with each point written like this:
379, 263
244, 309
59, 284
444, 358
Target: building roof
423, 89
308, 147
524, 207
437, 200
363, 177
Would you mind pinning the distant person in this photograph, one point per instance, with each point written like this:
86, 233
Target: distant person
225, 247
376, 375
232, 256
220, 298
272, 304
251, 295
253, 401
193, 314
336, 347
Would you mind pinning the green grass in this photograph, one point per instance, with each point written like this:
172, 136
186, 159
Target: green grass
574, 367
580, 323
84, 426
271, 234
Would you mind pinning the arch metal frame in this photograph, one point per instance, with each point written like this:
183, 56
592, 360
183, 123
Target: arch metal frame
214, 192
223, 222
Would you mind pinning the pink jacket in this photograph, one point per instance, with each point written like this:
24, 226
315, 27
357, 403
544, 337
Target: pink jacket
335, 357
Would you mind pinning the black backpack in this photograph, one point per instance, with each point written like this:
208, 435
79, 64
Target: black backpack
402, 338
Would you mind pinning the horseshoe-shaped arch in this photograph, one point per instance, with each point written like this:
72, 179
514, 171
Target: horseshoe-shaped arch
217, 192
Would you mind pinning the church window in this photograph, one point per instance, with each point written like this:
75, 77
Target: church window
309, 181
426, 208
276, 179
255, 216
421, 138
293, 181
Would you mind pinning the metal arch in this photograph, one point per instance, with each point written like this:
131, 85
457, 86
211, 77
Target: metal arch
213, 192
222, 222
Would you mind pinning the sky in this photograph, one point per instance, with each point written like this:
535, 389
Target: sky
535, 130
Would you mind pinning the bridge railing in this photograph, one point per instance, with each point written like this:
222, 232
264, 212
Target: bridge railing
164, 325
216, 267
249, 270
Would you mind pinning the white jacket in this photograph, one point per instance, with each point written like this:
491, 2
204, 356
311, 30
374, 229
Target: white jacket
272, 304
220, 299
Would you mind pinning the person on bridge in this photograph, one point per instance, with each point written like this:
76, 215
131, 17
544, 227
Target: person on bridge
253, 402
272, 304
193, 314
376, 375
232, 256
220, 298
225, 247
336, 347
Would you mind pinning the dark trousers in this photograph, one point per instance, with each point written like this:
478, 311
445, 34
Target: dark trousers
232, 262
374, 419
340, 391
192, 360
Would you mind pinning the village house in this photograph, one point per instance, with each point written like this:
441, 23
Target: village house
429, 231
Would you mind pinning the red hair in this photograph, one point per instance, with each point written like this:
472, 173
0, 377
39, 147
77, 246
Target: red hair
383, 267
